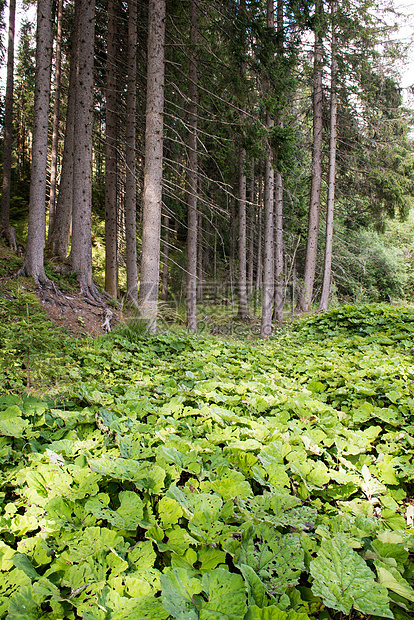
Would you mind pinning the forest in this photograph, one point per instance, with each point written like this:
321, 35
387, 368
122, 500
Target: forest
245, 153
206, 311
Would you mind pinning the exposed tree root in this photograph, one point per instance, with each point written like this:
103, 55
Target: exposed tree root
9, 233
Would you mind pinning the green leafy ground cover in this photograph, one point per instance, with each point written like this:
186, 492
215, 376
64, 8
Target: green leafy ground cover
192, 478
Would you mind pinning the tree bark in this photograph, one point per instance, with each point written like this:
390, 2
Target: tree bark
250, 262
130, 183
81, 251
33, 265
111, 245
315, 194
152, 195
279, 280
259, 274
323, 305
242, 288
62, 222
165, 255
200, 258
55, 123
6, 229
268, 252
192, 177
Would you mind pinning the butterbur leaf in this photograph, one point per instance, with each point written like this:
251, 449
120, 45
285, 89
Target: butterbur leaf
226, 593
232, 485
169, 511
12, 423
178, 591
22, 605
142, 608
255, 586
210, 558
130, 510
392, 579
273, 613
343, 580
145, 475
277, 559
22, 562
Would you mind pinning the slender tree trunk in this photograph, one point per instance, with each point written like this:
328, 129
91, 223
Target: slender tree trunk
278, 298
6, 229
55, 123
315, 195
152, 195
111, 245
200, 258
268, 252
62, 221
192, 176
250, 262
242, 292
242, 190
81, 251
323, 305
259, 233
33, 264
233, 225
130, 182
279, 279
166, 252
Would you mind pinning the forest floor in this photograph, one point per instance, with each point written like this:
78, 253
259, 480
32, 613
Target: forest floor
63, 303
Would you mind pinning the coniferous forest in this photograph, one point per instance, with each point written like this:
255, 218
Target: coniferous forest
250, 153
226, 188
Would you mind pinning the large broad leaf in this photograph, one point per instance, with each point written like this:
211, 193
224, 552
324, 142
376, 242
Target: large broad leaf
255, 586
128, 515
142, 608
273, 613
22, 562
22, 605
178, 591
226, 594
392, 580
277, 559
144, 475
343, 580
232, 485
12, 423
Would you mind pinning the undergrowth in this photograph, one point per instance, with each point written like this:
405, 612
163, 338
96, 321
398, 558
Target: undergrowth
185, 476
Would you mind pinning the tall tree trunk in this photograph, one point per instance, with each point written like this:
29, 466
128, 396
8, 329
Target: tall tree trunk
259, 274
192, 176
200, 258
268, 253
232, 249
279, 279
315, 195
55, 123
242, 288
165, 255
81, 251
242, 188
33, 264
130, 182
250, 262
6, 229
152, 195
62, 222
323, 305
111, 245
